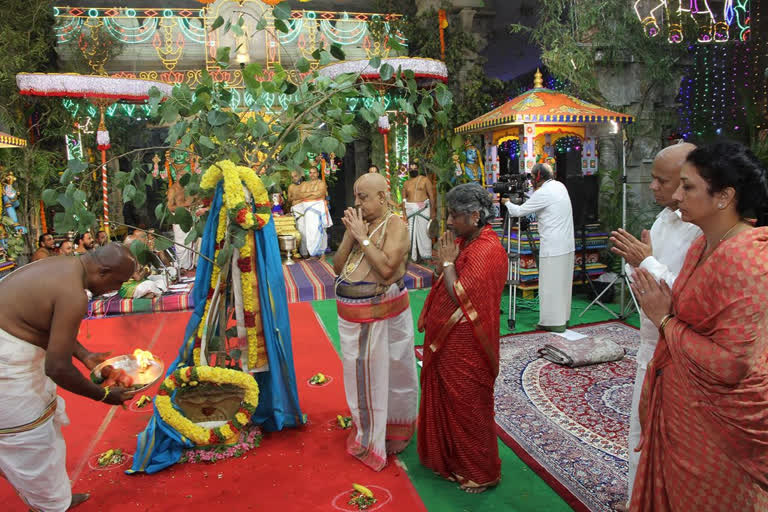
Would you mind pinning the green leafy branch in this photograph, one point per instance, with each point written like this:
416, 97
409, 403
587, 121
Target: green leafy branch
316, 120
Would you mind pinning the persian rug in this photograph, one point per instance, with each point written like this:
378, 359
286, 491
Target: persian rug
570, 425
313, 279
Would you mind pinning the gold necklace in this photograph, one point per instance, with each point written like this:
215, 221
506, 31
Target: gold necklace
708, 252
351, 267
728, 232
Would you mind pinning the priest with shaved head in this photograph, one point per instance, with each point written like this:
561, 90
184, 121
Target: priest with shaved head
38, 339
375, 325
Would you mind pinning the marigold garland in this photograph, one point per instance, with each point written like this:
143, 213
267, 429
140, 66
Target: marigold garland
192, 375
236, 208
250, 305
234, 196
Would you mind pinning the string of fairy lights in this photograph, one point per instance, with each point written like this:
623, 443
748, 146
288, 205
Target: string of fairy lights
715, 94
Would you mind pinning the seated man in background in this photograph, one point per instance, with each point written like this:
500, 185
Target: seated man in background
83, 243
142, 283
66, 248
46, 248
101, 238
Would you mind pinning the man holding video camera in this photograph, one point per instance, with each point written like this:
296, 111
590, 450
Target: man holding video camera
552, 205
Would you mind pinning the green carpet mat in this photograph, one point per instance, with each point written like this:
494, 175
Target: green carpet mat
520, 490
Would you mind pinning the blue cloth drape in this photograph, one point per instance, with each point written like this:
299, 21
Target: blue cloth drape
159, 445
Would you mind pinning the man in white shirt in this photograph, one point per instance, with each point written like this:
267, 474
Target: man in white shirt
552, 206
661, 252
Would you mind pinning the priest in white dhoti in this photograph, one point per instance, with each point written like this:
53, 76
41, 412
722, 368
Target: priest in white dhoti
310, 209
420, 208
376, 326
186, 259
662, 253
552, 205
38, 339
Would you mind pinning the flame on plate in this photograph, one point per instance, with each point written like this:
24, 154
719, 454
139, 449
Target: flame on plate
143, 358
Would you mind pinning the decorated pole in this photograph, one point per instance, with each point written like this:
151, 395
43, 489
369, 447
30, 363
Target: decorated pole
102, 141
102, 91
384, 130
442, 19
43, 222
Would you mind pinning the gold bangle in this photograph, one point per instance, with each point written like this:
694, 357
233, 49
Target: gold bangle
106, 394
665, 321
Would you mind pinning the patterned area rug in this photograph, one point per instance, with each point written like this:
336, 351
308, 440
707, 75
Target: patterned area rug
313, 279
177, 299
569, 425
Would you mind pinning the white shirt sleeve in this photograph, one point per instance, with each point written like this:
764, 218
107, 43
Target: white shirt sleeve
658, 270
538, 201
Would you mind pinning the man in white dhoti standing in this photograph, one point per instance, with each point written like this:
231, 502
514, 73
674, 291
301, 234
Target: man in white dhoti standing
38, 338
552, 205
312, 217
376, 326
420, 208
185, 258
662, 253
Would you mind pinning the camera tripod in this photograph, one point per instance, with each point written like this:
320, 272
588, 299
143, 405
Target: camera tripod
513, 261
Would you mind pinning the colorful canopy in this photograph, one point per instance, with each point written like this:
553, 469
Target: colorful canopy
540, 105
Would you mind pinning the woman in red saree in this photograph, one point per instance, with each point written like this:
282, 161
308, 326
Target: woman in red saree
456, 435
704, 407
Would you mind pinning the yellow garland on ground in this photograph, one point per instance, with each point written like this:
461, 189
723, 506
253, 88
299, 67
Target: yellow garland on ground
201, 436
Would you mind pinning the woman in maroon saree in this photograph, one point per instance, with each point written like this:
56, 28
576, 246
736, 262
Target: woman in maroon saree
704, 407
456, 434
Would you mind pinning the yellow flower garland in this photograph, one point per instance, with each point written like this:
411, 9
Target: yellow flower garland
202, 436
235, 177
234, 197
250, 304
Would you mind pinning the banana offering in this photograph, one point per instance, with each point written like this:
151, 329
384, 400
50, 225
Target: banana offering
318, 379
111, 457
345, 422
362, 497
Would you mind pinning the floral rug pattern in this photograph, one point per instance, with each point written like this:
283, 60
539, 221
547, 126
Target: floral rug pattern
573, 422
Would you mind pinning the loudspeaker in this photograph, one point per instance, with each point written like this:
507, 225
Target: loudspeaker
584, 192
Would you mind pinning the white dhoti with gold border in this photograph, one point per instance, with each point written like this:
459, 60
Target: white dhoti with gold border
312, 219
32, 449
186, 259
555, 287
380, 379
418, 226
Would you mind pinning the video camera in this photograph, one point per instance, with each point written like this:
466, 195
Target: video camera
509, 185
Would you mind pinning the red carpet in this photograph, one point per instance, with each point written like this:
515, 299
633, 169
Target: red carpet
293, 470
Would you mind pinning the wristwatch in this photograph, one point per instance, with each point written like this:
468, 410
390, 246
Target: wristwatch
366, 242
447, 264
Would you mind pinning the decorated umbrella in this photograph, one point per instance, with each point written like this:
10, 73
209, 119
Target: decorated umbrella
102, 91
426, 73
